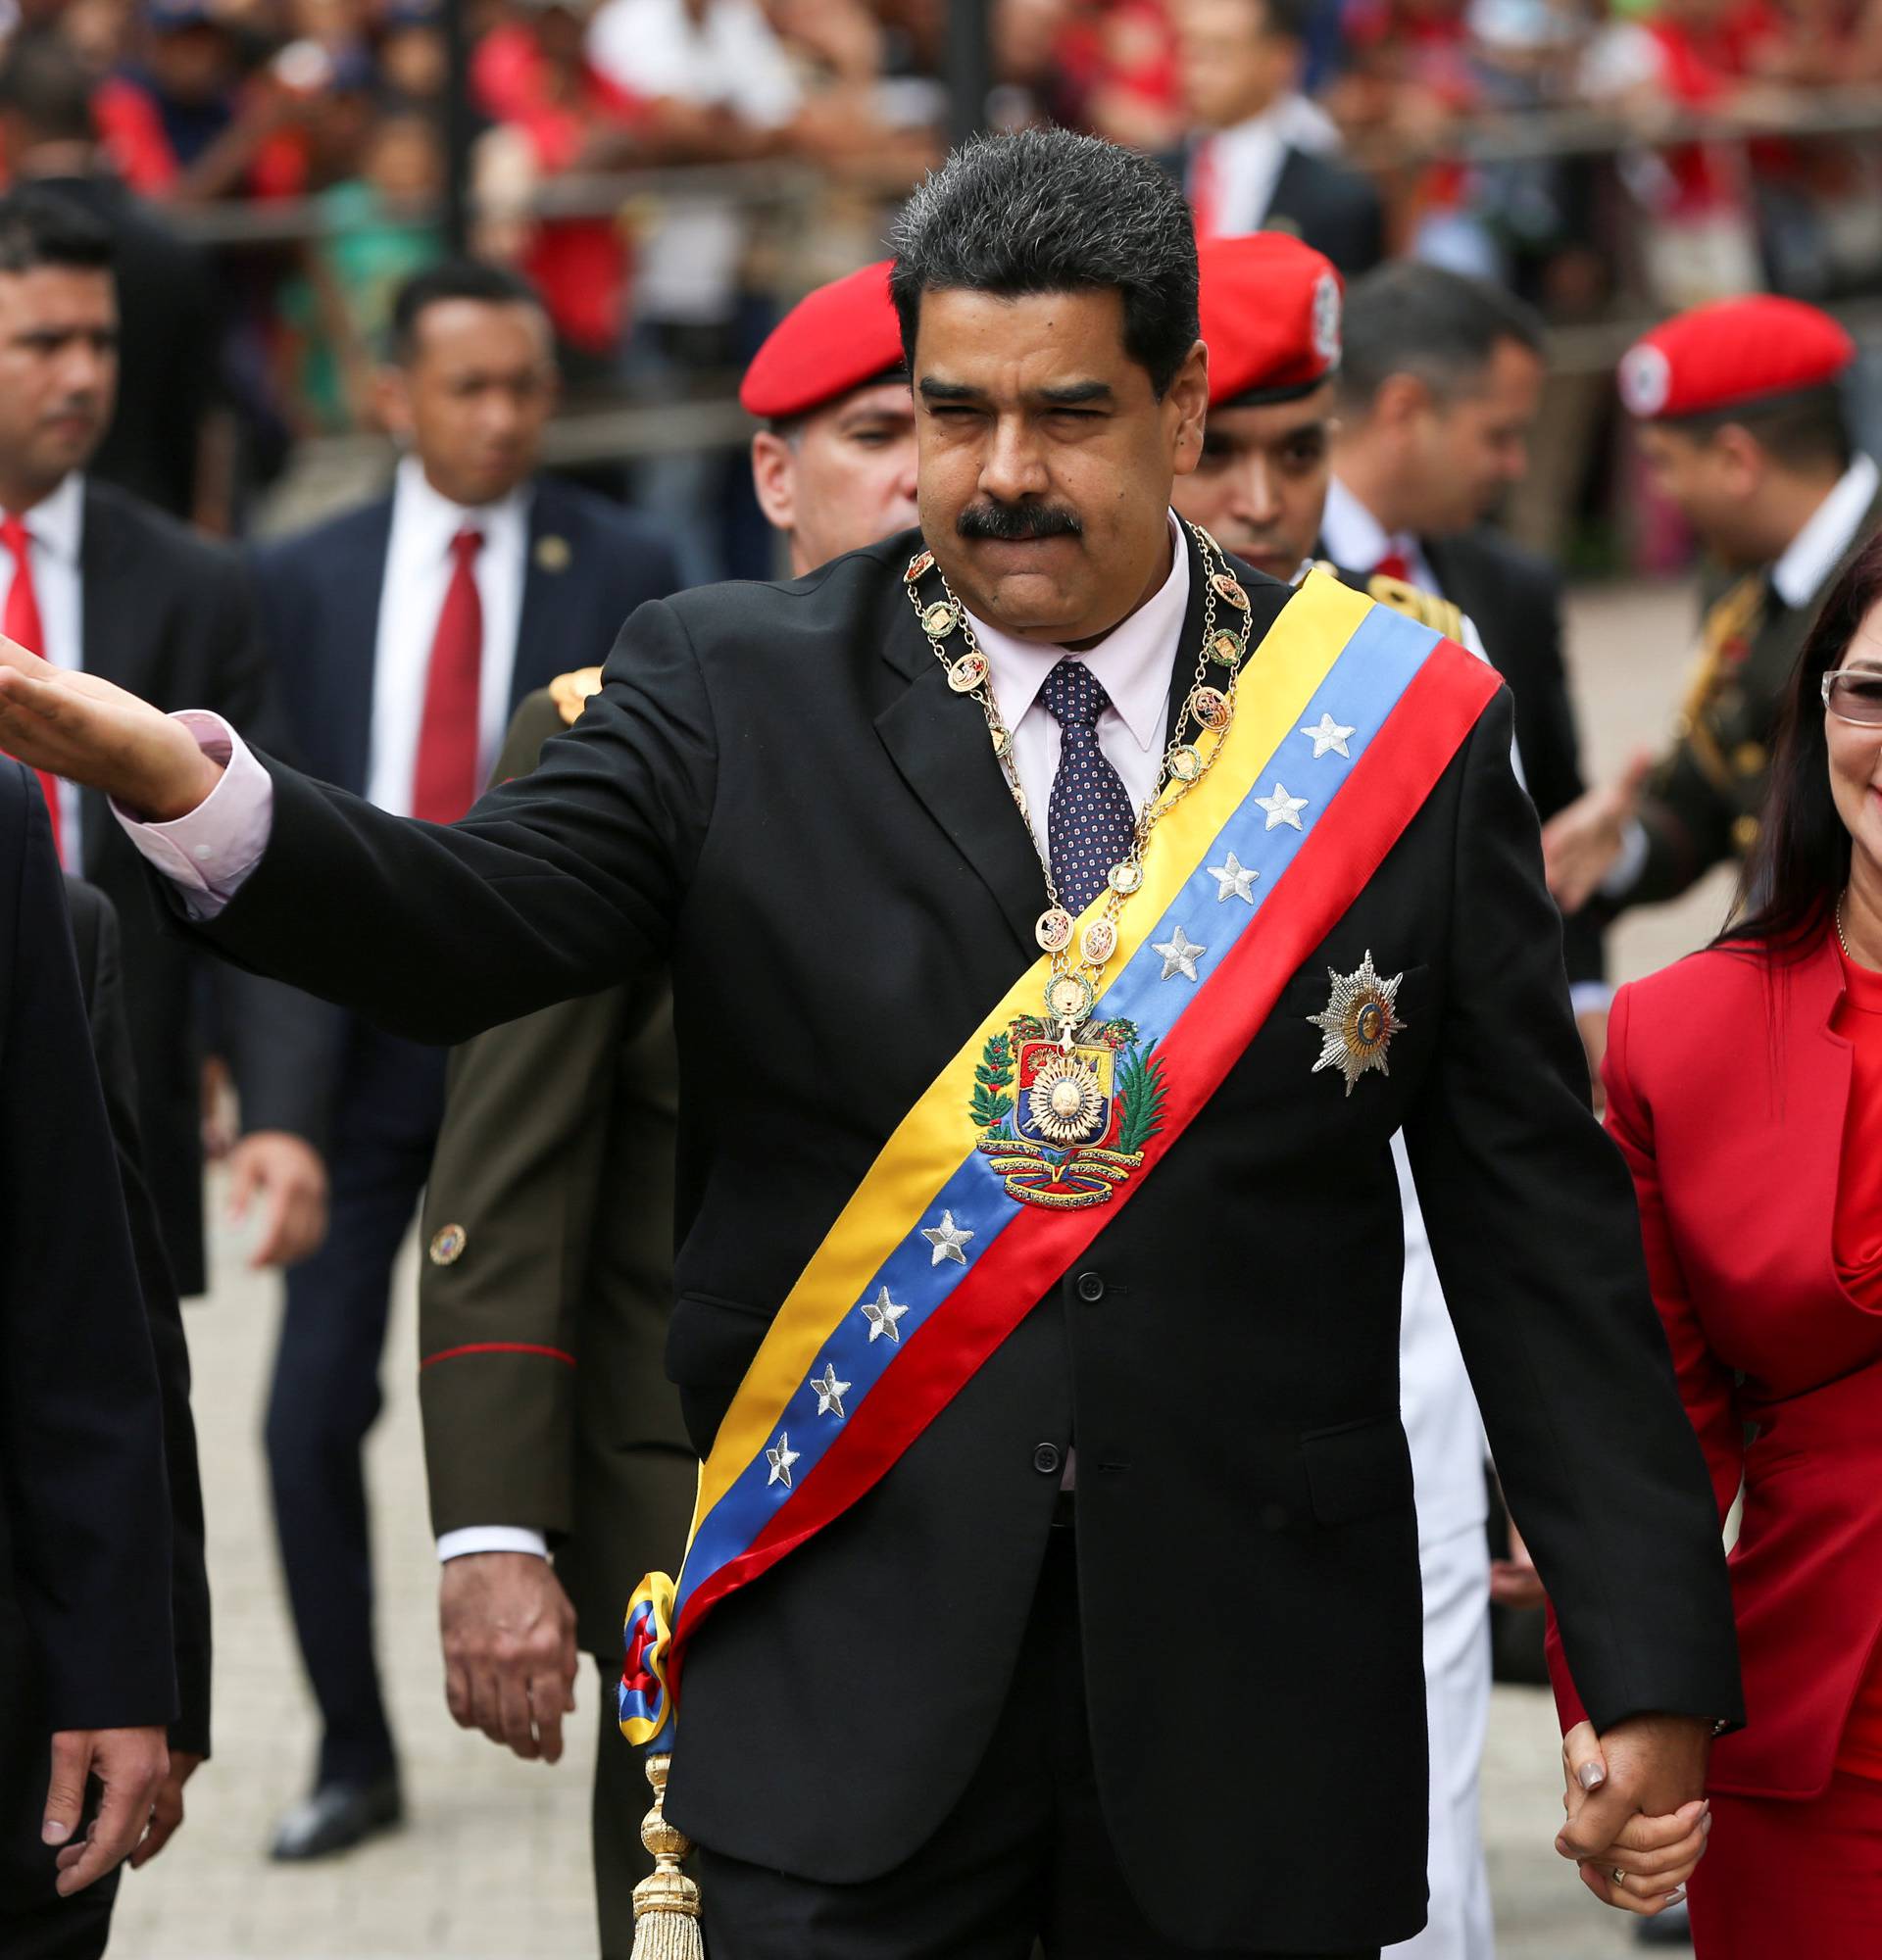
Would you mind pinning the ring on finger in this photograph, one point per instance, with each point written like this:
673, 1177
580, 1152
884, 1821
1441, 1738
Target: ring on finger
1619, 1875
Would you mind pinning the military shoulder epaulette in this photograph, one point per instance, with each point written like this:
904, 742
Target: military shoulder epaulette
570, 691
1427, 608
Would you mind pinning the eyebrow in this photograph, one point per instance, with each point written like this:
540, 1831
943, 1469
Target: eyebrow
1061, 395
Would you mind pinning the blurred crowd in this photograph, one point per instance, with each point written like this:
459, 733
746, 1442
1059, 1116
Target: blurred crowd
324, 119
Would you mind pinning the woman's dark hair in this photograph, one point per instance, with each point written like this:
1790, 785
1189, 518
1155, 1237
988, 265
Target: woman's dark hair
1045, 211
1802, 862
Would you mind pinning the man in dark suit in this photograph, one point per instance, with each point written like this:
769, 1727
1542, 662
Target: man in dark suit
937, 1720
87, 1644
1262, 158
102, 584
168, 338
1440, 382
405, 633
546, 1407
97, 941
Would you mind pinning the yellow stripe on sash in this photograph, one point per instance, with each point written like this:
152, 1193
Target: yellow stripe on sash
1280, 678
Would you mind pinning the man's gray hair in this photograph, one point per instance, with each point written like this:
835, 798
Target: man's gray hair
1410, 318
1046, 211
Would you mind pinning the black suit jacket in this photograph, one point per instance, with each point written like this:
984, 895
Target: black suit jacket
96, 940
1331, 207
589, 564
1515, 599
776, 792
86, 1630
167, 615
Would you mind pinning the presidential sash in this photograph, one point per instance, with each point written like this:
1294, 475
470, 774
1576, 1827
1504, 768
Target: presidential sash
1014, 1160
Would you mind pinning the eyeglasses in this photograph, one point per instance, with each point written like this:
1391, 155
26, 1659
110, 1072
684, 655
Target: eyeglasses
1855, 694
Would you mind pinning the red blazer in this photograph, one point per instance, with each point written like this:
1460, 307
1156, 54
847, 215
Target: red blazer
1726, 1092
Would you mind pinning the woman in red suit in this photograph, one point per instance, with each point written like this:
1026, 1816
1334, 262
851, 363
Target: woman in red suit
1745, 1088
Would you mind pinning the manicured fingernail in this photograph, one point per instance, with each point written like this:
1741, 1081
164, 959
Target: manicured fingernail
55, 1832
1676, 1897
1591, 1776
1705, 1824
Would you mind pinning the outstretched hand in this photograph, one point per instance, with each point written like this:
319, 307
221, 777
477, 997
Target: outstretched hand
1632, 1826
79, 727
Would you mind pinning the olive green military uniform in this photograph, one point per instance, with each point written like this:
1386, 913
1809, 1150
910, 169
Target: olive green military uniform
1704, 801
543, 1304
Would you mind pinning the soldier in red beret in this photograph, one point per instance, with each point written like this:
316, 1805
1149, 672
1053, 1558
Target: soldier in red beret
1740, 423
834, 464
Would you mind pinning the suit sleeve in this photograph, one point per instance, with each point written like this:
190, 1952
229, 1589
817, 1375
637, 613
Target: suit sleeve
284, 1045
81, 1425
1536, 1238
1706, 1385
102, 968
1688, 821
554, 886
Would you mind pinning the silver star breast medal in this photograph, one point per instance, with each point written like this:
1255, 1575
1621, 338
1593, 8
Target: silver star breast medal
1357, 1022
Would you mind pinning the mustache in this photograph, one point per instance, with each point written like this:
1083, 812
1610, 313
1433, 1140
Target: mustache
1018, 523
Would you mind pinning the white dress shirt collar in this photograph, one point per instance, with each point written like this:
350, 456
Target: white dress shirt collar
1810, 557
433, 519
57, 523
1134, 661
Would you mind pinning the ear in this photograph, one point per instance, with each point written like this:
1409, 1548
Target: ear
1187, 399
392, 400
1741, 458
1400, 400
774, 480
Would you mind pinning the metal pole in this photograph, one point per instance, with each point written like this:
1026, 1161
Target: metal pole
456, 129
970, 67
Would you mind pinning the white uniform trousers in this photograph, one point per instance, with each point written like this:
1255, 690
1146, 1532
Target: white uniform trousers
1457, 1697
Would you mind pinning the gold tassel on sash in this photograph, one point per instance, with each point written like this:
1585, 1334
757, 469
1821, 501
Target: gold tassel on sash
666, 1901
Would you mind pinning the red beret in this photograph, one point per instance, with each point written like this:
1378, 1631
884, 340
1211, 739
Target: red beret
1270, 313
831, 341
1731, 352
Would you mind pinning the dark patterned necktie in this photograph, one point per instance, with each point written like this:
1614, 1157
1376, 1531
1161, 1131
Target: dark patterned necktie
1089, 820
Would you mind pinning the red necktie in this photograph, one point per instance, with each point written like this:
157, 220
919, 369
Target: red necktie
21, 622
444, 783
1392, 566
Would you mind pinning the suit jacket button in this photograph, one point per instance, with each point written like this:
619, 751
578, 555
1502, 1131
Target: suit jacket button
1046, 1459
1091, 1286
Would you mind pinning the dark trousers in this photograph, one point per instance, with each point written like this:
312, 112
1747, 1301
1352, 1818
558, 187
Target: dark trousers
35, 1923
325, 1392
1025, 1855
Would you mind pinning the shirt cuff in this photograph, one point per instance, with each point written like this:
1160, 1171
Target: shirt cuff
462, 1542
1623, 874
1590, 997
209, 853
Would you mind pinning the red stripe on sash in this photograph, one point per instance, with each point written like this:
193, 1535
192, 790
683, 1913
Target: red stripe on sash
1389, 783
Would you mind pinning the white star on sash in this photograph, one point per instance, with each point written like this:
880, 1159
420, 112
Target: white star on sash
780, 1457
829, 1390
1281, 807
1233, 879
1181, 954
947, 1239
882, 1313
1329, 735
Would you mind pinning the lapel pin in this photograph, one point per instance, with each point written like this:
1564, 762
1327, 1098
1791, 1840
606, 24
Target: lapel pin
553, 552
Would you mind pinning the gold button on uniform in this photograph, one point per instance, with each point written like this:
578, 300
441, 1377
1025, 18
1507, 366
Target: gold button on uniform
447, 1246
1743, 833
1749, 758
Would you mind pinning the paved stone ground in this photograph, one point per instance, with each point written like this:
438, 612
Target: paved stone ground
494, 1859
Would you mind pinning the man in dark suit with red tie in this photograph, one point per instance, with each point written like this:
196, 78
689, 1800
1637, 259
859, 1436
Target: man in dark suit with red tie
103, 584
407, 633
